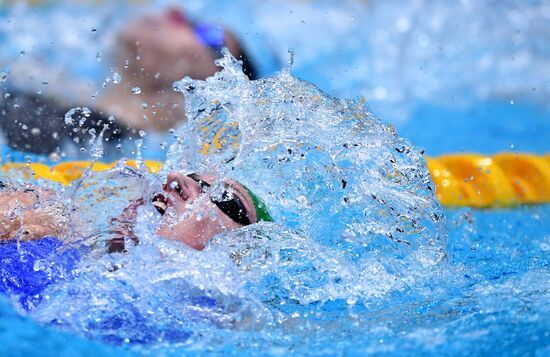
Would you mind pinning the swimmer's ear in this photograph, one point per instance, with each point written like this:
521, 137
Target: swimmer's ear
248, 66
234, 46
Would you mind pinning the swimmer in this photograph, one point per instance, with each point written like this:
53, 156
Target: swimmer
190, 213
150, 53
157, 49
32, 224
22, 215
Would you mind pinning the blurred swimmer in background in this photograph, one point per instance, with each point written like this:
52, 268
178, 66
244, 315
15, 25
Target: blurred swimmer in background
150, 52
154, 51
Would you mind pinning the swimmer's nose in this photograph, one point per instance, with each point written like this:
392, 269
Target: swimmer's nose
182, 186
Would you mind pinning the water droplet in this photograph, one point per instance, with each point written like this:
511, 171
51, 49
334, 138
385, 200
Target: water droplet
142, 133
54, 157
136, 90
199, 216
80, 113
38, 265
173, 185
35, 131
116, 78
98, 57
118, 146
144, 105
163, 145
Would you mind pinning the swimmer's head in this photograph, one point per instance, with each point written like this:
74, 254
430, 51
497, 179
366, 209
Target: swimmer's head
193, 215
166, 46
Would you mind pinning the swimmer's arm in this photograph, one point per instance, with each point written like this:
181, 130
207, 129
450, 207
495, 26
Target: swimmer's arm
30, 214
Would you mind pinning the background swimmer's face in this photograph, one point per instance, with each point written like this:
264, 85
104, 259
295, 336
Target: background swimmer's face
191, 217
164, 46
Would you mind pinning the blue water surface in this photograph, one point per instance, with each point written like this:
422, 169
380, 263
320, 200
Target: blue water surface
503, 257
486, 127
491, 297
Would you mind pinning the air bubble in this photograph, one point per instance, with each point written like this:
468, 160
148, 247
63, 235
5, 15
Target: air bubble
4, 76
116, 78
78, 113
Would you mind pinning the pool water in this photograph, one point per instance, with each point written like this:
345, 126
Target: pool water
499, 305
328, 280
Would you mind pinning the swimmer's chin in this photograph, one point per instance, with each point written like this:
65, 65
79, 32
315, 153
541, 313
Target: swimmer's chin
194, 242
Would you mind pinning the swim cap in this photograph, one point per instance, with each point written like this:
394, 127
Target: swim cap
262, 214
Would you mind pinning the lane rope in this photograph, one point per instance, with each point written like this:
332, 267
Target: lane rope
501, 180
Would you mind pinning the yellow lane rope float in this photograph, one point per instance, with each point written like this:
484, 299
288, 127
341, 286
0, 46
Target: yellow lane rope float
501, 180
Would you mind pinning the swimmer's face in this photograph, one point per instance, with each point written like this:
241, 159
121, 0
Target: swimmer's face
164, 46
191, 213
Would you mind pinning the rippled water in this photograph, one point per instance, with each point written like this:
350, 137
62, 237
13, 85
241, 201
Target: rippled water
356, 261
355, 210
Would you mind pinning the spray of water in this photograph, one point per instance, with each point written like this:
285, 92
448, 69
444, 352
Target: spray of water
355, 218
